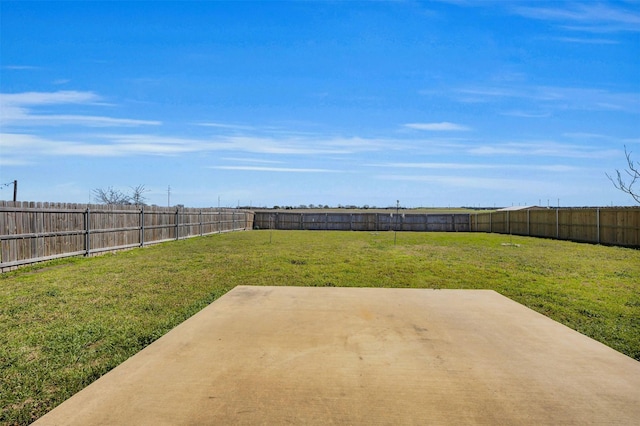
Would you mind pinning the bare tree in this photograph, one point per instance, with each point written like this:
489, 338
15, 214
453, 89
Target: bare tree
110, 196
633, 173
137, 196
115, 196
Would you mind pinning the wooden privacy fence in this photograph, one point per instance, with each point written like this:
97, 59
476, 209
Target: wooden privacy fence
612, 226
362, 221
33, 232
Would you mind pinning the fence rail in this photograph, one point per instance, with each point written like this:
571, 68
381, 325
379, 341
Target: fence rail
362, 221
611, 226
33, 232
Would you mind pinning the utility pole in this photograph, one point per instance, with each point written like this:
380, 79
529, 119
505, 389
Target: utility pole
395, 233
15, 188
169, 196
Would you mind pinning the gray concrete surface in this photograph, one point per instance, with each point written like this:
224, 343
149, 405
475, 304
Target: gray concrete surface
292, 355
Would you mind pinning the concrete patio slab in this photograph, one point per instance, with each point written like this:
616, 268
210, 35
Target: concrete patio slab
292, 355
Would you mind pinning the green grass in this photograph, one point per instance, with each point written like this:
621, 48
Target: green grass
63, 324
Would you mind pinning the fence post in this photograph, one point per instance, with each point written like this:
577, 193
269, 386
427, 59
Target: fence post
557, 224
200, 220
528, 222
490, 223
142, 226
87, 229
177, 223
598, 223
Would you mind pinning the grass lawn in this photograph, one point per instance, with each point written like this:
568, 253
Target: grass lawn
63, 324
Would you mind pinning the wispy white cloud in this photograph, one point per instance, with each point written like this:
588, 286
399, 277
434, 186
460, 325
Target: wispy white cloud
586, 40
81, 120
6, 162
525, 114
585, 135
276, 169
267, 145
25, 146
251, 160
18, 109
589, 99
431, 166
360, 144
585, 16
150, 144
480, 94
48, 98
479, 166
225, 126
19, 67
22, 146
444, 126
542, 149
469, 182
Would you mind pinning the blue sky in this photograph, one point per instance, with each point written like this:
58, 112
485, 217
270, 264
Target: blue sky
443, 103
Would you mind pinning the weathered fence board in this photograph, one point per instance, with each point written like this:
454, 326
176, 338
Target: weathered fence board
32, 232
604, 225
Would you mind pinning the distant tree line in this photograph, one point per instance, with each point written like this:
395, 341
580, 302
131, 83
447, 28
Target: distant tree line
323, 206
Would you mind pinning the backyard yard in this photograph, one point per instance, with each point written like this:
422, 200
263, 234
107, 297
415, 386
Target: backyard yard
63, 324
